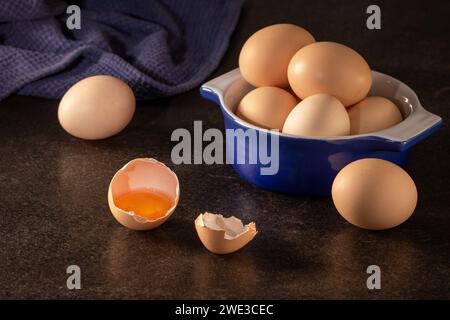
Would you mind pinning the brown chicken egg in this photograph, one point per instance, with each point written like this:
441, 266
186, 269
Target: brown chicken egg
266, 107
373, 114
331, 68
318, 115
143, 194
96, 107
265, 56
222, 235
374, 194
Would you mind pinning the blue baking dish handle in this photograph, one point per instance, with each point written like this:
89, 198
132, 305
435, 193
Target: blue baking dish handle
210, 95
415, 128
405, 145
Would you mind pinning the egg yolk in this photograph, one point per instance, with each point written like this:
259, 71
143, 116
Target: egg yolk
148, 204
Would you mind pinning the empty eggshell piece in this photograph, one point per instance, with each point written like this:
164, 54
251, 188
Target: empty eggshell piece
223, 235
374, 194
143, 174
265, 56
97, 107
373, 114
318, 115
266, 107
331, 68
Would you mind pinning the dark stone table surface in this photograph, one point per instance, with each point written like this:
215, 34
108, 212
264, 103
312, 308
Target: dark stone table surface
53, 189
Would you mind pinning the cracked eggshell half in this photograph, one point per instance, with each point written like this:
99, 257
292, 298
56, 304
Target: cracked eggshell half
138, 174
223, 235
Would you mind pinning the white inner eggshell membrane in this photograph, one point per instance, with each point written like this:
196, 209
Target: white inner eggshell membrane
232, 226
145, 174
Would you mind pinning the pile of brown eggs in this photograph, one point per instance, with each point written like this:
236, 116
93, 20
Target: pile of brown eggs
309, 88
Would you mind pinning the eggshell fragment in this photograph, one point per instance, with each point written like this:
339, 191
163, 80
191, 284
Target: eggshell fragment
96, 107
223, 235
318, 115
266, 107
138, 174
373, 114
374, 194
331, 68
265, 56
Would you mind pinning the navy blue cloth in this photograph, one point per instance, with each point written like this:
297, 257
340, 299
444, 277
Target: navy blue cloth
159, 48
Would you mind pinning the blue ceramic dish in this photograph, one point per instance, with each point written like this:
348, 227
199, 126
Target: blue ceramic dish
308, 165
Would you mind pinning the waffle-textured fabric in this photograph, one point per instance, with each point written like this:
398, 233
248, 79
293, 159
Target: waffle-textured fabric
159, 48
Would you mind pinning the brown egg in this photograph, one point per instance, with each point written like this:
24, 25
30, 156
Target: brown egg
265, 56
137, 175
331, 68
266, 107
96, 107
318, 115
373, 114
374, 194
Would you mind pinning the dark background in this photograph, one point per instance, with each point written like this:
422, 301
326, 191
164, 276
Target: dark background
53, 188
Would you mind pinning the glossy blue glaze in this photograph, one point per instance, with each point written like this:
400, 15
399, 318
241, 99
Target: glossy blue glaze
309, 166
